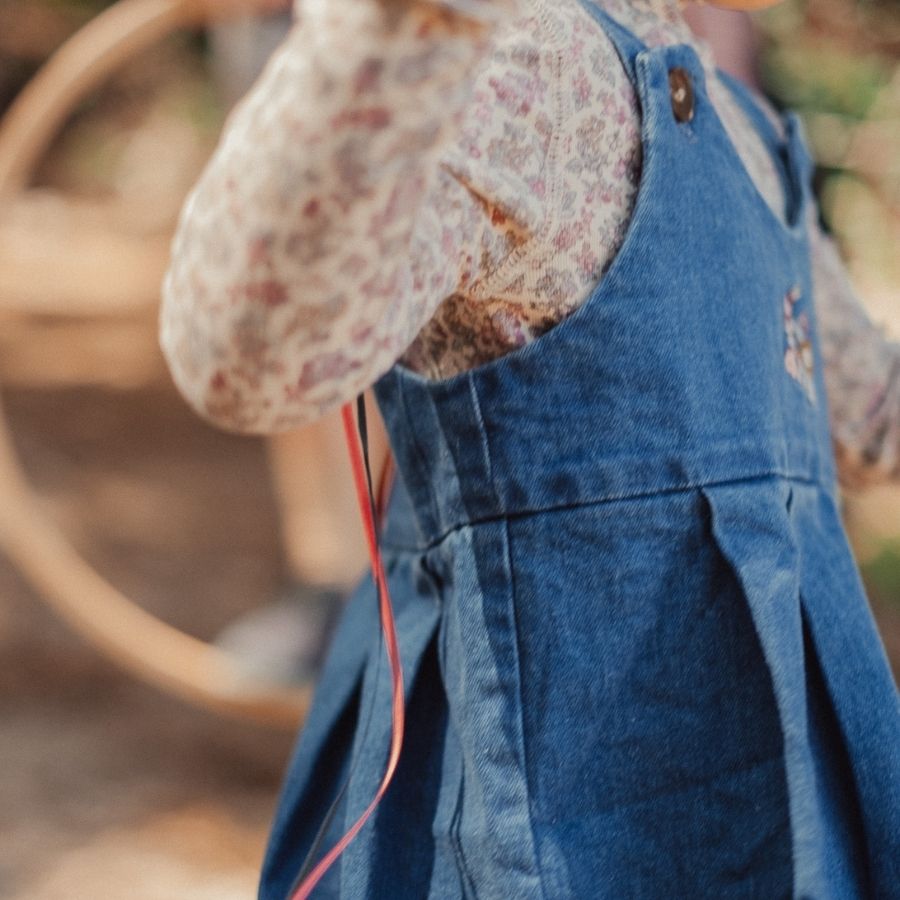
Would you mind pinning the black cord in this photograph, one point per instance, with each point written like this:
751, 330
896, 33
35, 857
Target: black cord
316, 847
364, 441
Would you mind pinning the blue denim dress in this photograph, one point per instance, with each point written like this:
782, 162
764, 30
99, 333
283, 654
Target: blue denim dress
639, 659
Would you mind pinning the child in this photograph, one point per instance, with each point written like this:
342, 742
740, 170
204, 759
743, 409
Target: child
580, 265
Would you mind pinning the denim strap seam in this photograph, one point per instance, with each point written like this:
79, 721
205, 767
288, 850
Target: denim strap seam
507, 546
482, 430
414, 442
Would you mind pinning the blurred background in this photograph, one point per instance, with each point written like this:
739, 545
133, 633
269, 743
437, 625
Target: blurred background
111, 787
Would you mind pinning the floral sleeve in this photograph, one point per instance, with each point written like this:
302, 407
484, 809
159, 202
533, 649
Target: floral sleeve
862, 373
301, 268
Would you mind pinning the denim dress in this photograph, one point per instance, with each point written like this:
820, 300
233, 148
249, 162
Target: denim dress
639, 660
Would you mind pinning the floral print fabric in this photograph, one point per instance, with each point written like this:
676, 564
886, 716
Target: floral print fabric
441, 184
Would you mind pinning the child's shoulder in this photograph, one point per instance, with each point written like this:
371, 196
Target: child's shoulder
553, 26
552, 123
564, 35
551, 60
550, 83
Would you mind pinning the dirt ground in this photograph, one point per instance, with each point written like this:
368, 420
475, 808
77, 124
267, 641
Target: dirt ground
110, 789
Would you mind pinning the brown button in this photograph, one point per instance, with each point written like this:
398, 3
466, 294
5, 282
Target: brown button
682, 92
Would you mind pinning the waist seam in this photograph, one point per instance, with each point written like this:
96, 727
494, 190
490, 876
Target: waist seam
585, 503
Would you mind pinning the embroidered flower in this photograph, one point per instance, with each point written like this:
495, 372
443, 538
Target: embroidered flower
798, 354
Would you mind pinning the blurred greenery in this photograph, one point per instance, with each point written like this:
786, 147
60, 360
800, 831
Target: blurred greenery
836, 63
883, 573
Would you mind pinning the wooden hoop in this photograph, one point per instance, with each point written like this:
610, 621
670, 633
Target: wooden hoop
154, 651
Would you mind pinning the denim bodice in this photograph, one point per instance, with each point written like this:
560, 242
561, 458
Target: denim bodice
695, 360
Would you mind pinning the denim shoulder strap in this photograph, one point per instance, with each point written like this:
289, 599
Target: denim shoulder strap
790, 151
627, 44
751, 106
